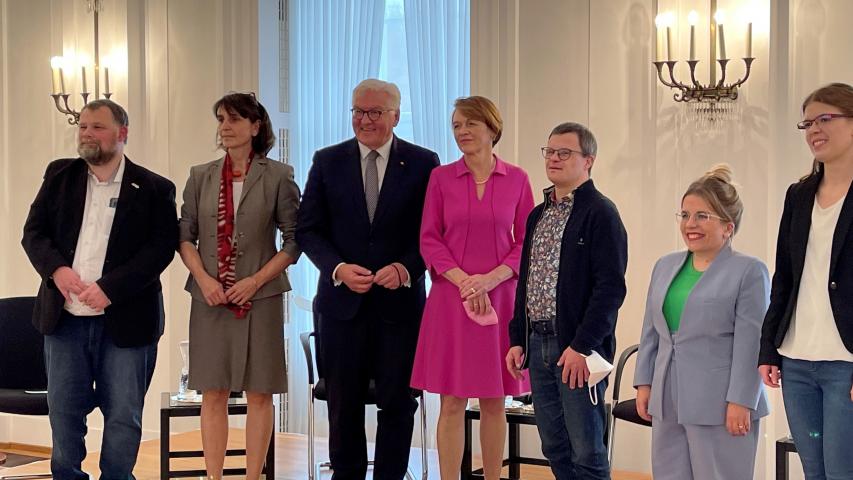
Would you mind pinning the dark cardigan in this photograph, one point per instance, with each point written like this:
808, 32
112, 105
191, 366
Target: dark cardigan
591, 281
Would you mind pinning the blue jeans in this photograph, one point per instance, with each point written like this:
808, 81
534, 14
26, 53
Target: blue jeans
820, 415
570, 427
85, 369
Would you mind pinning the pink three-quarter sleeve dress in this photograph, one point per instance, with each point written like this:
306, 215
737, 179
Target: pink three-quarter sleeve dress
455, 355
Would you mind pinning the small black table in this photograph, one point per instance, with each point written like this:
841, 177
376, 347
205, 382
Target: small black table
784, 446
170, 408
515, 460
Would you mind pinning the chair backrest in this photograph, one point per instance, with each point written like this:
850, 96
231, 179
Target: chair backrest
620, 366
21, 346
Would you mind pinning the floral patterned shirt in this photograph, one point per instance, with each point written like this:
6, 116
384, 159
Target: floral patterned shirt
545, 258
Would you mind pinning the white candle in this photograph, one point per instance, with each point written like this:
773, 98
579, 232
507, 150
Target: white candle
692, 18
658, 45
55, 62
107, 80
54, 74
719, 17
749, 40
669, 43
61, 81
659, 37
83, 77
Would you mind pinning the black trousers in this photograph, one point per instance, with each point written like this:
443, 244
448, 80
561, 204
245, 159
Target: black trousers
352, 352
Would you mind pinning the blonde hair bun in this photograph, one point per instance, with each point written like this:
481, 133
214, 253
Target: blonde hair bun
721, 172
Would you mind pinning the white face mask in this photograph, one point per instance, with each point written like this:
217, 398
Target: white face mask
599, 369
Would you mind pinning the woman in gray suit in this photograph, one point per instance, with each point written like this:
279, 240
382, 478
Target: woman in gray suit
695, 376
232, 208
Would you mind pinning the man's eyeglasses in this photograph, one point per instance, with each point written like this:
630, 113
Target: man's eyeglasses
373, 115
562, 153
700, 217
821, 120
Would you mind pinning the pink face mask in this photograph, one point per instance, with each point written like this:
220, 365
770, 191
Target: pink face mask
484, 319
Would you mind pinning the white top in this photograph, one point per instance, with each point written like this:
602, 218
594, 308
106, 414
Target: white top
381, 160
236, 193
98, 214
813, 334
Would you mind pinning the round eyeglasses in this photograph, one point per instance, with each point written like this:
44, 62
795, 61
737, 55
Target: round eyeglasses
562, 153
373, 115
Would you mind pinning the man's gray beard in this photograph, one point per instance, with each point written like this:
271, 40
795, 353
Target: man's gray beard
93, 154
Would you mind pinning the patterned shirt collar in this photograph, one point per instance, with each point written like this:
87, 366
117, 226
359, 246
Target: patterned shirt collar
551, 197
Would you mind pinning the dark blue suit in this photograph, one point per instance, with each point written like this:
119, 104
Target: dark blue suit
372, 335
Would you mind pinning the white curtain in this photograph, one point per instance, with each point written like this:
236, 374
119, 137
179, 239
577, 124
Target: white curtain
335, 44
438, 50
438, 44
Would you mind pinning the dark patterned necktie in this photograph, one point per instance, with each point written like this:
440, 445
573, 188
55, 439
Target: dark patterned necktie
371, 184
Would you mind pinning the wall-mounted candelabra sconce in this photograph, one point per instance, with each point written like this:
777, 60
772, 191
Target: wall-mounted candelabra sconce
716, 96
60, 65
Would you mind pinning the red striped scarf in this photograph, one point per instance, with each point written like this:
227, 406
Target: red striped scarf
225, 241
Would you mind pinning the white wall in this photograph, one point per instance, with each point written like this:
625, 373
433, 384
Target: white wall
549, 61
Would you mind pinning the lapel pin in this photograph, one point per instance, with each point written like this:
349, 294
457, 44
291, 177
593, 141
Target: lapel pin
402, 163
134, 185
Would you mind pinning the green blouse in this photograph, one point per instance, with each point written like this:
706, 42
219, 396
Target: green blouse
679, 290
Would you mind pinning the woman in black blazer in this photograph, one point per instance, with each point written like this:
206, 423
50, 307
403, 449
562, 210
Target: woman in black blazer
808, 329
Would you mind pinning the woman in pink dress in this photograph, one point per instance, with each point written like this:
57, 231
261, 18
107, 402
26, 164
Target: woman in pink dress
471, 237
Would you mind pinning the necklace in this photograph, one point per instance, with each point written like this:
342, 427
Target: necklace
483, 182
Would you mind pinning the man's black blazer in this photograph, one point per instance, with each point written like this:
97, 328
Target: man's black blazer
790, 259
333, 226
142, 243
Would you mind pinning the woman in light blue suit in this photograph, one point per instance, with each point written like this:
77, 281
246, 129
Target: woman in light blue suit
695, 377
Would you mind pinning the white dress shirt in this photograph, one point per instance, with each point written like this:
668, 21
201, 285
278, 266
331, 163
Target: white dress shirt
381, 165
98, 214
813, 334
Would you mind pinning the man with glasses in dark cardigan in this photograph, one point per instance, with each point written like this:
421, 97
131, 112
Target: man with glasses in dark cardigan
571, 284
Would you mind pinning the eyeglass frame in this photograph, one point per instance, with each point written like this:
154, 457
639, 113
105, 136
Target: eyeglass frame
546, 156
684, 217
821, 120
359, 114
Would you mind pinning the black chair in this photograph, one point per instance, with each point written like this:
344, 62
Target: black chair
23, 379
317, 391
625, 410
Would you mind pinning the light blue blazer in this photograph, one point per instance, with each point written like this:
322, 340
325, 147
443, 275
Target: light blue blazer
716, 346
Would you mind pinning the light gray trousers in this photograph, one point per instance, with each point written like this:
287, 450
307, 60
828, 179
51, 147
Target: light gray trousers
698, 452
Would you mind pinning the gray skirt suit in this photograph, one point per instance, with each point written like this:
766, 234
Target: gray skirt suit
226, 352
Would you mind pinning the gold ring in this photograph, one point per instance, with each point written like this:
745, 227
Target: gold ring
740, 426
473, 290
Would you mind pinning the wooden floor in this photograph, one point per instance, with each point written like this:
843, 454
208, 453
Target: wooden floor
291, 459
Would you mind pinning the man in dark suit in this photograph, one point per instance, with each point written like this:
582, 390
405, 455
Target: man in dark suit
359, 222
100, 231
